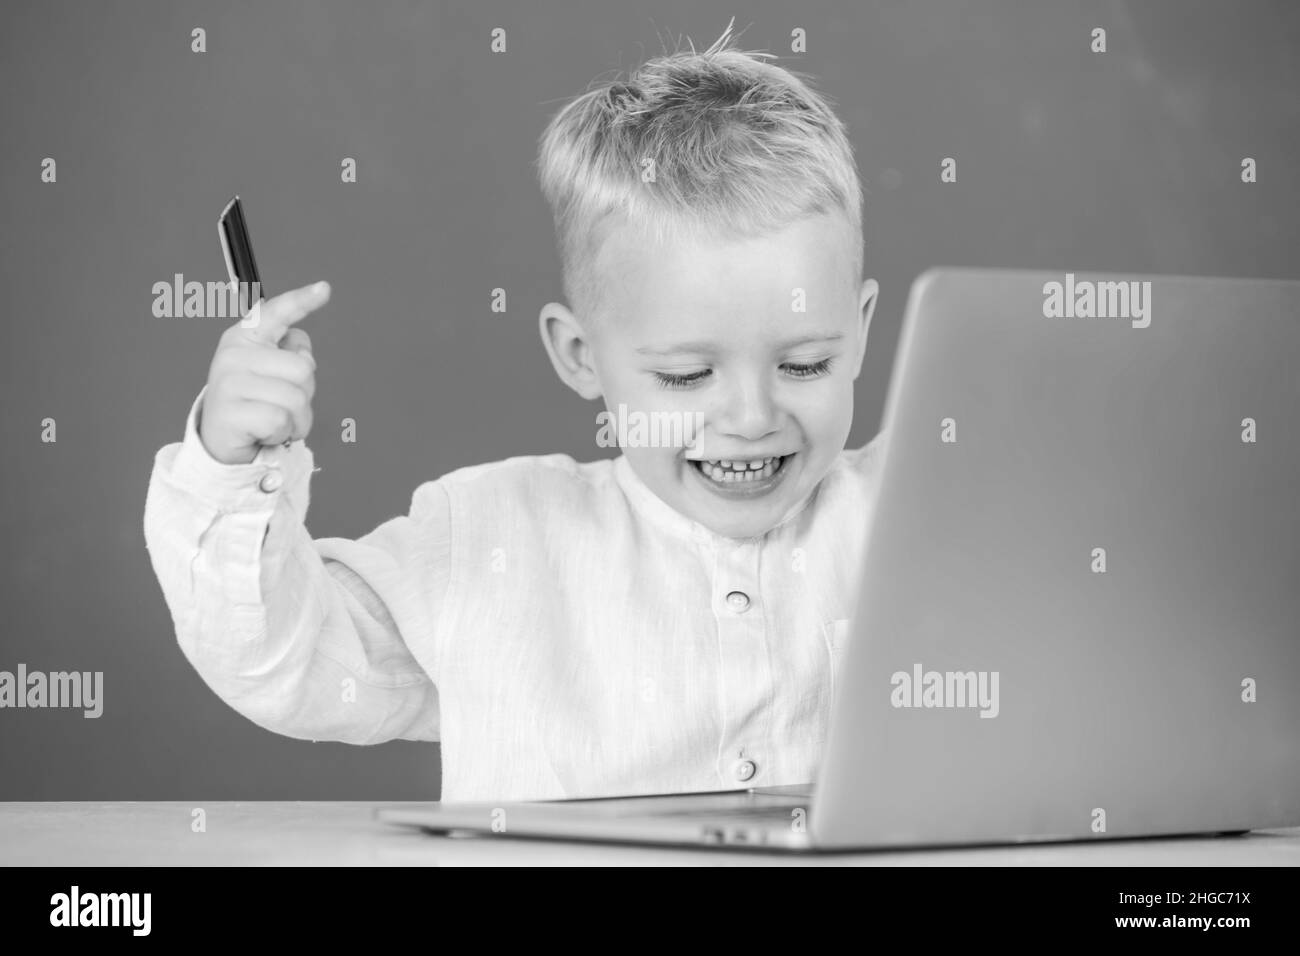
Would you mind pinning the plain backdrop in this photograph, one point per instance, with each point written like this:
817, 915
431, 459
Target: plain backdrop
1066, 159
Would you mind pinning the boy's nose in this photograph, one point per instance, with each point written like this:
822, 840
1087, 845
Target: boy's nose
747, 412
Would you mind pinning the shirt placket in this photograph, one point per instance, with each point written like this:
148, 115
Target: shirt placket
745, 665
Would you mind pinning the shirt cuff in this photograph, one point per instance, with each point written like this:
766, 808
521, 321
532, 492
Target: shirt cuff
254, 486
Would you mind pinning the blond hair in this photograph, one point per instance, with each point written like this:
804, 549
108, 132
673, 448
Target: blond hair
740, 147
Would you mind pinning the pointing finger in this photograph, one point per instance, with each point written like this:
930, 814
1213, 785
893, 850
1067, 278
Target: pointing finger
267, 321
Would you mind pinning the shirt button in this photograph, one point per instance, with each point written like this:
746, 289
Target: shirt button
270, 481
744, 769
738, 601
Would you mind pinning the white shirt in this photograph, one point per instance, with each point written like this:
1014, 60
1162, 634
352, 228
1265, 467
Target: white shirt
558, 627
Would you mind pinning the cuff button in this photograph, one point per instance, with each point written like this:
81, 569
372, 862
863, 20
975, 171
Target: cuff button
270, 481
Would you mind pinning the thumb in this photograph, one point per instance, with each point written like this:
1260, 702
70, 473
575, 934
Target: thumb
297, 340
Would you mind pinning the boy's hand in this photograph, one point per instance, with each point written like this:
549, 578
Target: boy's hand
262, 379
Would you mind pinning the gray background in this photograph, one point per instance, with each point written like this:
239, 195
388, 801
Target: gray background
1066, 159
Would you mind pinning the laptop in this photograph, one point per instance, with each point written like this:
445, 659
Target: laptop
1079, 610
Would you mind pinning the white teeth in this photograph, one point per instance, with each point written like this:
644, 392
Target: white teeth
757, 470
738, 465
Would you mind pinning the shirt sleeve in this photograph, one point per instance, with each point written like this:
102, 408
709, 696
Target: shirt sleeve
307, 638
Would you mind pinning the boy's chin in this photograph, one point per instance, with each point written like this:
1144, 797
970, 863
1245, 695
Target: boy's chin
736, 528
731, 512
740, 517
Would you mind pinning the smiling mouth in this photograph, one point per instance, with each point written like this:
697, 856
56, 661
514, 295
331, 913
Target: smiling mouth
729, 472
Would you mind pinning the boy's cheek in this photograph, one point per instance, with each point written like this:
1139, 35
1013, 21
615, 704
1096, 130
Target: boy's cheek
832, 415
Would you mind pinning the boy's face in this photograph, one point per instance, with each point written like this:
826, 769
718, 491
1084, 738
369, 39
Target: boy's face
757, 341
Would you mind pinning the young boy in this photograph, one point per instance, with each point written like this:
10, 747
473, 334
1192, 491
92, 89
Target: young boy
665, 621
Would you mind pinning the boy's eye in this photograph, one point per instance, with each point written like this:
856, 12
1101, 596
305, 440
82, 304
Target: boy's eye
810, 370
795, 369
669, 380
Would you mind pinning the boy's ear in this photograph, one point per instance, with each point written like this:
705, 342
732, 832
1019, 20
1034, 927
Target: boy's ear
569, 347
867, 299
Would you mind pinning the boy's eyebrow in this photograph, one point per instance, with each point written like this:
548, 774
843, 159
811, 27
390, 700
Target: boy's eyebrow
702, 346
